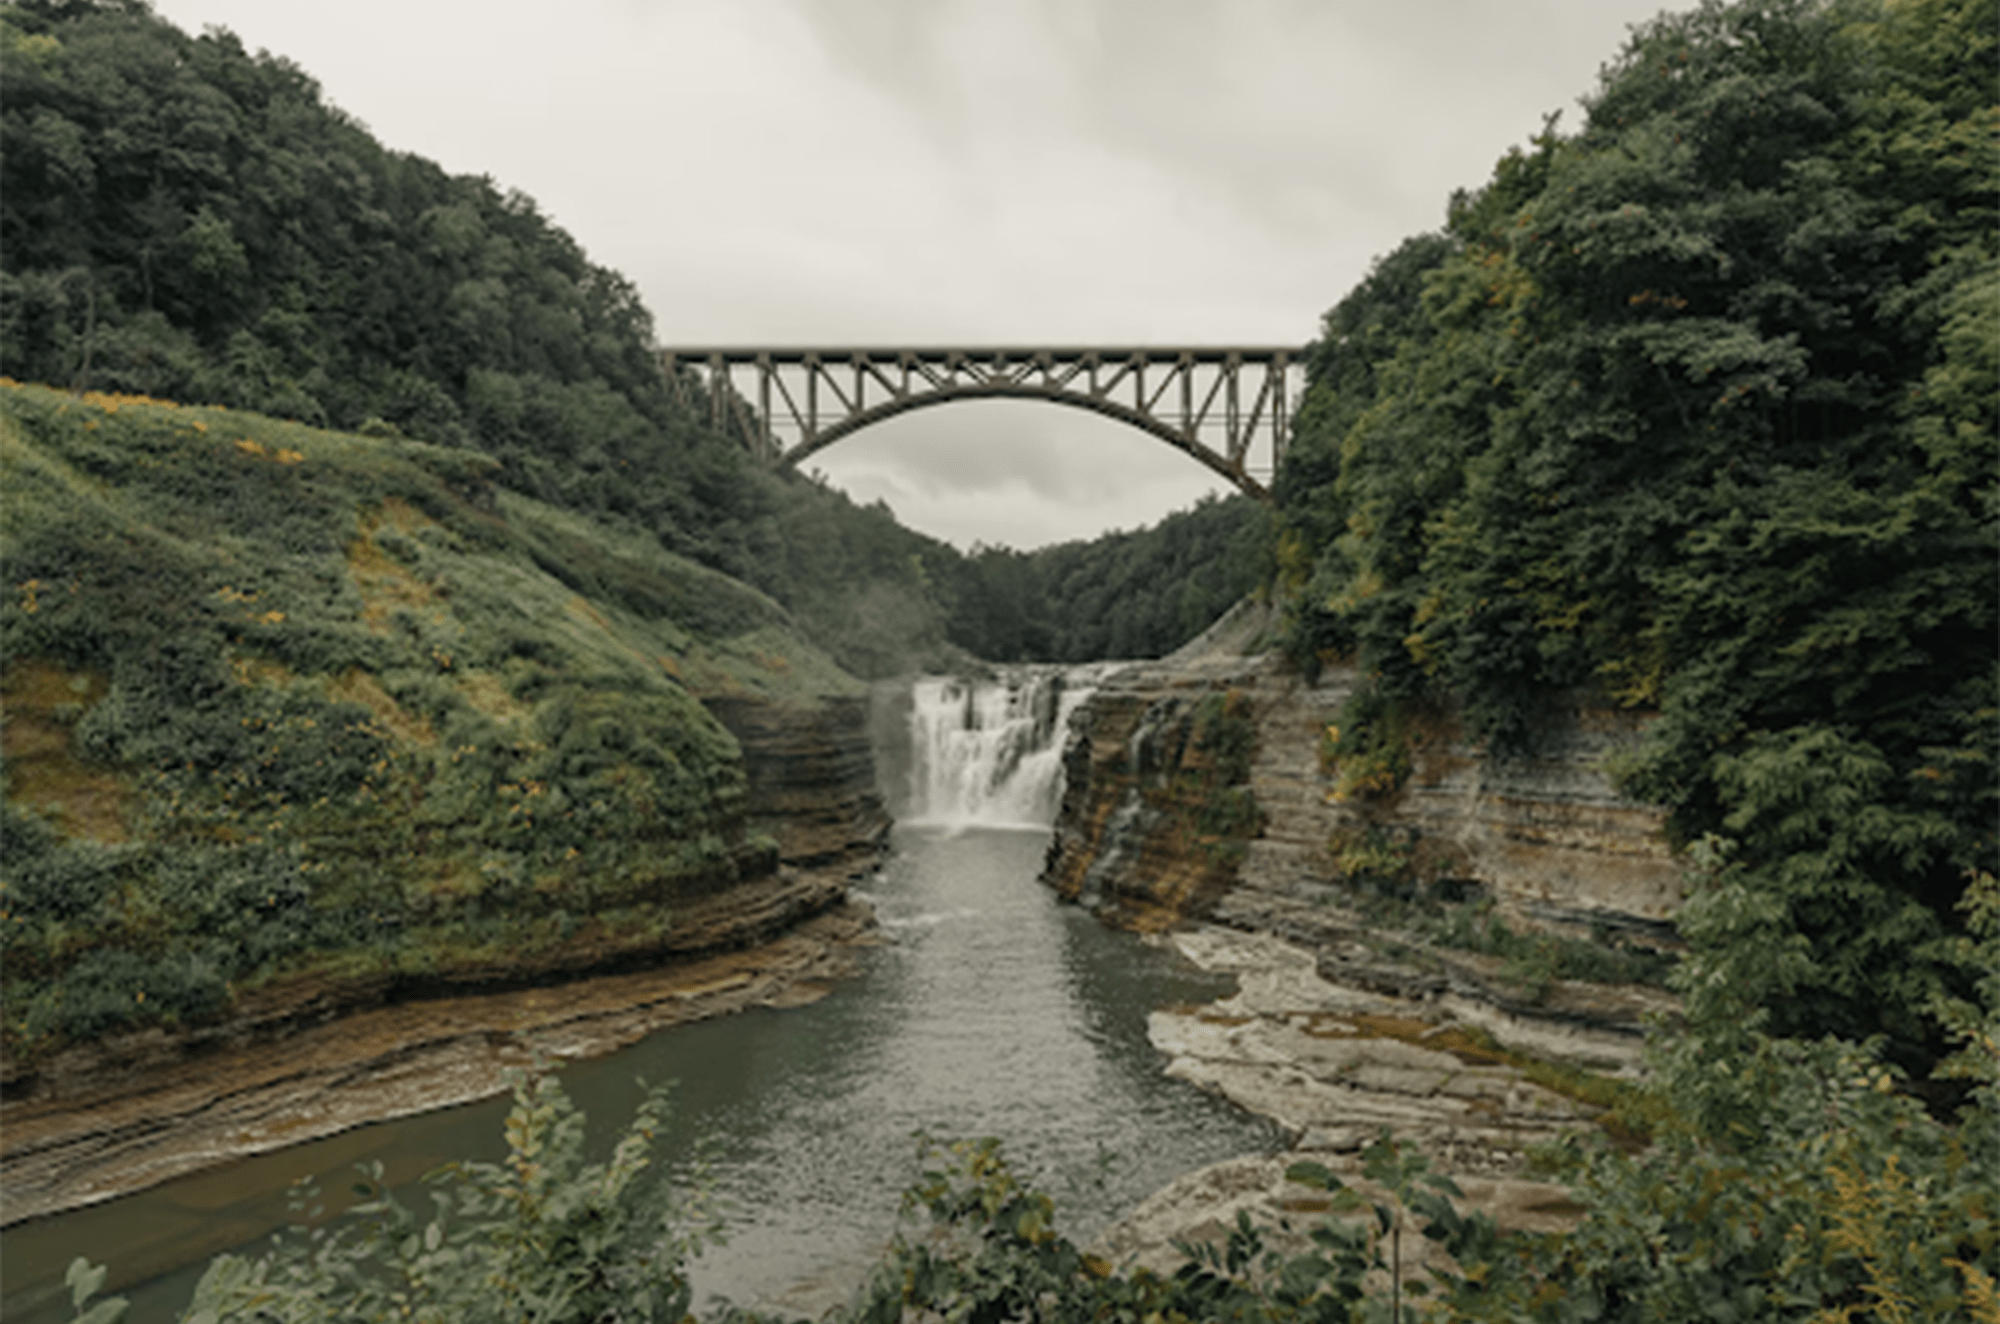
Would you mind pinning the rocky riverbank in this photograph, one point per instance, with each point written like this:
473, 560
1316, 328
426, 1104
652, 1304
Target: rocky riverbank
1347, 1025
1338, 1065
129, 1113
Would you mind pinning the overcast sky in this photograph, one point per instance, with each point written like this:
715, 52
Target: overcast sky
879, 172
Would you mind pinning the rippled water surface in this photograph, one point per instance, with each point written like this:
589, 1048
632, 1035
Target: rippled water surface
991, 1010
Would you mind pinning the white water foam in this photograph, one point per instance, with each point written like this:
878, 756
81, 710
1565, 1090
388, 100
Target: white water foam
988, 752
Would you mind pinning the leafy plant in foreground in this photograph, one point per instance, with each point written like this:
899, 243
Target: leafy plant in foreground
541, 1236
1788, 1181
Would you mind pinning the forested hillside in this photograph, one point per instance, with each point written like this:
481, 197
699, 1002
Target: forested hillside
413, 677
285, 701
1696, 407
1121, 595
184, 220
181, 219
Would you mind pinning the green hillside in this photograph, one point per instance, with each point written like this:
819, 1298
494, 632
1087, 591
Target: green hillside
281, 698
392, 697
182, 219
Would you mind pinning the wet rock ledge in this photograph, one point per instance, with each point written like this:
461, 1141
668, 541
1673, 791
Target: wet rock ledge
1340, 1064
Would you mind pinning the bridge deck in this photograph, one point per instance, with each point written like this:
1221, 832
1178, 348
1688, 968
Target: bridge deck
1161, 354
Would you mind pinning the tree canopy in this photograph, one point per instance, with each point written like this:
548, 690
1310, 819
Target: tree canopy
1121, 595
1696, 407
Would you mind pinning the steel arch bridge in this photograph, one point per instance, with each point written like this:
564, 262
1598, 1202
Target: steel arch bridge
1213, 403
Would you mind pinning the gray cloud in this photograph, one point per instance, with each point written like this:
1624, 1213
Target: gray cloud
880, 171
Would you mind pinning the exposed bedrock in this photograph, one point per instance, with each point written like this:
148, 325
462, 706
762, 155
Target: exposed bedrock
812, 778
1547, 836
1344, 1026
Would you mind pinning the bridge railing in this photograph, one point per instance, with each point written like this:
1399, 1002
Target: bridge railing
1214, 402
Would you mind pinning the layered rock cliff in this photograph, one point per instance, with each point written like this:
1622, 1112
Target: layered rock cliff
811, 774
1354, 1019
1546, 840
1546, 836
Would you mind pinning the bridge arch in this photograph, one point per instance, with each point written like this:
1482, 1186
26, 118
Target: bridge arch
1213, 403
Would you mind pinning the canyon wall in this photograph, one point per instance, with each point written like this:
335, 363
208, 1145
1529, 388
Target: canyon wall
812, 784
1546, 835
1209, 787
810, 793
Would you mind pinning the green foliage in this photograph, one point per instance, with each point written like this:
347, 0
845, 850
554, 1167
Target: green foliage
992, 1252
1975, 1024
542, 1235
1223, 731
1474, 927
1210, 793
1699, 407
1403, 922
182, 218
996, 1253
1381, 859
332, 700
1782, 1213
1847, 1203
1121, 595
84, 1281
1792, 1181
1367, 745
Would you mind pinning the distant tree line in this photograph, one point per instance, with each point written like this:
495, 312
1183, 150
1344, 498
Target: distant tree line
1122, 595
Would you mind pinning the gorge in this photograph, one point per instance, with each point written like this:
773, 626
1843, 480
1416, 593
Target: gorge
967, 1001
402, 675
975, 1004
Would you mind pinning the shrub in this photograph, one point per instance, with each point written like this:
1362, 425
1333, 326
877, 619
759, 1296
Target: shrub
541, 1236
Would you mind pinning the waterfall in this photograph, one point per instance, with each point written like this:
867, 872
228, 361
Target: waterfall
987, 752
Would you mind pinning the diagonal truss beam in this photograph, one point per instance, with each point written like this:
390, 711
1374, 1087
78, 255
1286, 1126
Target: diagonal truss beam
1215, 403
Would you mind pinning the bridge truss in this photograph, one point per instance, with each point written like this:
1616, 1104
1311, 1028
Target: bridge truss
1215, 404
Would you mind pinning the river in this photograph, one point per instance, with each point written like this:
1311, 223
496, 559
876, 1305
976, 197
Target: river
990, 1009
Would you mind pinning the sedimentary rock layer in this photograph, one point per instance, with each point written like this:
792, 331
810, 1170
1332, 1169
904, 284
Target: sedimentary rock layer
146, 1109
1546, 834
811, 775
1340, 1031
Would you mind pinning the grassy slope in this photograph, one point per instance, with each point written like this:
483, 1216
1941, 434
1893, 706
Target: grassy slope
278, 698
